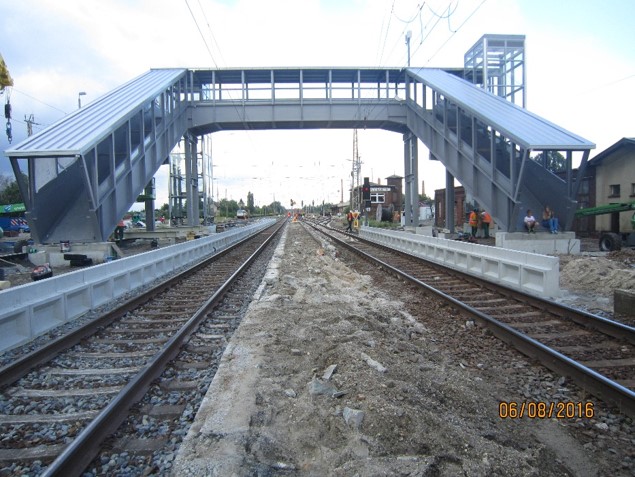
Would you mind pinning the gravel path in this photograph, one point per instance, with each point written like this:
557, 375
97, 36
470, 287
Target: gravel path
340, 370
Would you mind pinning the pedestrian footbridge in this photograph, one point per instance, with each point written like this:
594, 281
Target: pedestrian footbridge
83, 173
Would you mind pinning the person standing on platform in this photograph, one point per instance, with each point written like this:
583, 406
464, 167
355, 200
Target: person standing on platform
486, 219
473, 220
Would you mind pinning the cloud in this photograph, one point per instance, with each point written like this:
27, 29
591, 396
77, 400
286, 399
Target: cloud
55, 49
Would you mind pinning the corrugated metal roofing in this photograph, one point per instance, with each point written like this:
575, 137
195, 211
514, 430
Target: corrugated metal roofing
523, 127
83, 129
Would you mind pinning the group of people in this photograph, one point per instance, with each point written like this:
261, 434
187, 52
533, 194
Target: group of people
549, 221
484, 219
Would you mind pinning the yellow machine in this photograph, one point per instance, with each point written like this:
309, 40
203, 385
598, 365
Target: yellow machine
5, 77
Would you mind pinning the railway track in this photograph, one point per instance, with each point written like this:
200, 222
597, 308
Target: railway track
61, 402
597, 353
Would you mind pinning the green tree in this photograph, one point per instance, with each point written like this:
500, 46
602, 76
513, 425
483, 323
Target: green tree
9, 191
275, 207
552, 161
424, 199
250, 203
227, 208
164, 211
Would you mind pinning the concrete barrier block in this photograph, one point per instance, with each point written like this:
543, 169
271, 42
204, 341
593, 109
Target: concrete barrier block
475, 264
533, 279
462, 260
78, 302
510, 274
624, 302
120, 285
490, 269
135, 278
48, 314
15, 327
32, 309
102, 292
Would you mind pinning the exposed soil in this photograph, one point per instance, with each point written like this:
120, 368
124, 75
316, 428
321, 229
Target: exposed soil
589, 280
341, 370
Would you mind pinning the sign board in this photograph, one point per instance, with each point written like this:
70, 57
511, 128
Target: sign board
380, 189
11, 208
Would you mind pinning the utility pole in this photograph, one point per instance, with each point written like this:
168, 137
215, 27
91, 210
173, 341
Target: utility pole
357, 167
30, 122
408, 36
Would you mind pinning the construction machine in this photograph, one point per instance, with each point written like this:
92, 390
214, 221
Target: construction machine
617, 236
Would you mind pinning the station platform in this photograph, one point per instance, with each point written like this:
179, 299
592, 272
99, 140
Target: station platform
541, 242
329, 373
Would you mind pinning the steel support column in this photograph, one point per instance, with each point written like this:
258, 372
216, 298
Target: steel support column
191, 180
411, 175
149, 206
449, 201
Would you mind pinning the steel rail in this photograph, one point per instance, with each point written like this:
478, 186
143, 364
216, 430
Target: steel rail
85, 447
24, 364
581, 317
599, 385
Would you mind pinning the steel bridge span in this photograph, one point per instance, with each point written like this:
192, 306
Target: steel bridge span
85, 171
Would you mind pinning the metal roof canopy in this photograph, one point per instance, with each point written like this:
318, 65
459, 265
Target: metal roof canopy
521, 126
83, 129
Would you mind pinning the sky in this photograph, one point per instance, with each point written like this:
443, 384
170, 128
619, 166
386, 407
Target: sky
580, 71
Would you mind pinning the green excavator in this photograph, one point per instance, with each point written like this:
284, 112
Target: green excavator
615, 238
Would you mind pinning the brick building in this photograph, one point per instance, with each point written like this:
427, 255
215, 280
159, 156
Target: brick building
389, 196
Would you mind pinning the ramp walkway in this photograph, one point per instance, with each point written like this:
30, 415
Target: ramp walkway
485, 142
85, 172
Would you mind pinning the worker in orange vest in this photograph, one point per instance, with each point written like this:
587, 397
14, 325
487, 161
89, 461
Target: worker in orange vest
473, 220
349, 219
486, 220
119, 230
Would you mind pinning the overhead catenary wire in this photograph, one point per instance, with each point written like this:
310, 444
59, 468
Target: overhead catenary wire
207, 47
211, 32
455, 31
201, 33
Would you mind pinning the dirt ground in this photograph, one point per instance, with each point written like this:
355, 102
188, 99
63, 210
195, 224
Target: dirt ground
335, 373
589, 280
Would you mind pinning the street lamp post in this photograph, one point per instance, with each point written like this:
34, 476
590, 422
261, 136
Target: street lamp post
79, 98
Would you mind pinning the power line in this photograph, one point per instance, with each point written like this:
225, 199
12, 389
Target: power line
383, 47
414, 17
39, 101
605, 85
211, 32
454, 32
201, 33
449, 12
245, 119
